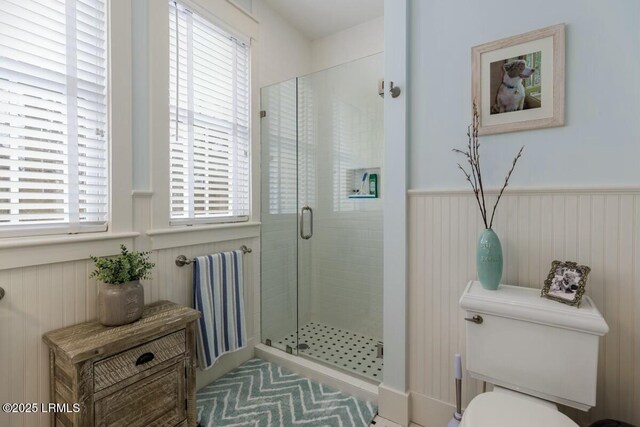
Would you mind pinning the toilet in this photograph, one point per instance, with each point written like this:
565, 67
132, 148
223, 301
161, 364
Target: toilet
536, 352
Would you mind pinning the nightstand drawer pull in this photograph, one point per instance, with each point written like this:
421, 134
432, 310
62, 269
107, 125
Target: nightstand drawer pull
124, 365
145, 358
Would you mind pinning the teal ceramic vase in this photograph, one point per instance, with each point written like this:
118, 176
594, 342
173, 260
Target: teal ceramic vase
489, 260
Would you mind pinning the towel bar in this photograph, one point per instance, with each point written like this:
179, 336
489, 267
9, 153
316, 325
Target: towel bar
182, 260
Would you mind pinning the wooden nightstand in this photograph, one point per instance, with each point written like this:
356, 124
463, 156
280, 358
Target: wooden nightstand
141, 374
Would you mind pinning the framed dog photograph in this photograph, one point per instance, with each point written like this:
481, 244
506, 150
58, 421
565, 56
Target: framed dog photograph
518, 82
566, 282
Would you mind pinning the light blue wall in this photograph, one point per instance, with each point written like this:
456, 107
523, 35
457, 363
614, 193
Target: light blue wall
600, 142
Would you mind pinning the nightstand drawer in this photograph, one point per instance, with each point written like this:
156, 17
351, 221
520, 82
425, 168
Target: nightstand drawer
158, 400
131, 362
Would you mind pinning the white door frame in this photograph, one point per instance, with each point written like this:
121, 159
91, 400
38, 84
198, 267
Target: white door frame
393, 395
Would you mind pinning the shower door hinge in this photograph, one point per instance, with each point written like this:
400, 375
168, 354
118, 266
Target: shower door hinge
381, 87
393, 90
289, 349
380, 350
268, 342
263, 114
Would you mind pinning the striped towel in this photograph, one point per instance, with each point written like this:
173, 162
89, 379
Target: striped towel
218, 293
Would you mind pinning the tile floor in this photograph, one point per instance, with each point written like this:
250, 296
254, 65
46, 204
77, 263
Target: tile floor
378, 421
338, 347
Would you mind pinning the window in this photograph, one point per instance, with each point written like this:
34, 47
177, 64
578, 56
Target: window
289, 146
53, 117
532, 84
534, 60
209, 111
280, 159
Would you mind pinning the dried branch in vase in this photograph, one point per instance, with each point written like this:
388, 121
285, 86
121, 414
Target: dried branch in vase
474, 174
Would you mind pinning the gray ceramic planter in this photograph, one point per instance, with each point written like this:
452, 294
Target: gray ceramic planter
120, 304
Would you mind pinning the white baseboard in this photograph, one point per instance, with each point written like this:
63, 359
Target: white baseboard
393, 405
226, 363
429, 412
320, 373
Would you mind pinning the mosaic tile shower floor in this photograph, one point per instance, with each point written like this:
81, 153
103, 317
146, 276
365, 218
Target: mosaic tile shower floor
344, 349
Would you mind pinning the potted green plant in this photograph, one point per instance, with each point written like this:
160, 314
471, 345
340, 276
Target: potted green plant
120, 293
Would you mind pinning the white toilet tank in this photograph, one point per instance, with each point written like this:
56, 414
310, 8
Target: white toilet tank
533, 345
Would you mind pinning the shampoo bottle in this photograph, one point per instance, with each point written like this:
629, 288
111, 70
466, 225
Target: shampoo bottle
373, 184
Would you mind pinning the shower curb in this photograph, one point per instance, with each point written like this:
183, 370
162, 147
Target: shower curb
317, 372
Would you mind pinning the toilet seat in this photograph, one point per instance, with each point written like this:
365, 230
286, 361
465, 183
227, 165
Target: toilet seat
494, 409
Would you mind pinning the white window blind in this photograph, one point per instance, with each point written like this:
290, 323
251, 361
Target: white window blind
209, 111
280, 168
53, 116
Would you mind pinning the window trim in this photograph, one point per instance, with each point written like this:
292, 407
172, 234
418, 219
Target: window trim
8, 232
204, 15
208, 221
202, 234
53, 245
250, 13
244, 29
120, 116
209, 15
35, 230
39, 250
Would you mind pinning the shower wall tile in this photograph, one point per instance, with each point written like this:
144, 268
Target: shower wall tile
341, 125
347, 278
278, 282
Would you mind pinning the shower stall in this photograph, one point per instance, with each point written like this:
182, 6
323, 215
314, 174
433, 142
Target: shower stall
322, 174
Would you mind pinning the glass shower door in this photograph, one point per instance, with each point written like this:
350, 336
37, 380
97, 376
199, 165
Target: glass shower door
340, 153
279, 181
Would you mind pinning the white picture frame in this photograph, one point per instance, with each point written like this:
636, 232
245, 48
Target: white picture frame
533, 97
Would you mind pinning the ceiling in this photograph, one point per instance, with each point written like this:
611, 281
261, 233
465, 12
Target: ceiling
319, 18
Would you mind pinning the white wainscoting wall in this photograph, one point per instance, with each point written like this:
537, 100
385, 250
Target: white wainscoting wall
596, 227
41, 298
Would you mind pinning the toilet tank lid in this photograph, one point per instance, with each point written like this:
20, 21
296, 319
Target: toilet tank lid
526, 304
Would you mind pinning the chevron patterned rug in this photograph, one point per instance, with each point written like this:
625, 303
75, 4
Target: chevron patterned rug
262, 394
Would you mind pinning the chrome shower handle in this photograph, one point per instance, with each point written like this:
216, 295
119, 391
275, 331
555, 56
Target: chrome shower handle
302, 234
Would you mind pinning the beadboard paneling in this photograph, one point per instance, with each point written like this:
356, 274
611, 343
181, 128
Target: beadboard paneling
41, 298
599, 228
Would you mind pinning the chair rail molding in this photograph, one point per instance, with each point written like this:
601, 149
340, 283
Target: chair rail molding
624, 189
